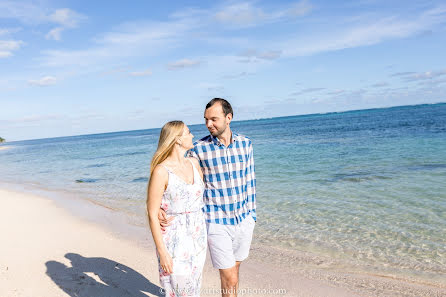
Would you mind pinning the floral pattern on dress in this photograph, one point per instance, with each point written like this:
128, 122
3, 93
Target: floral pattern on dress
186, 238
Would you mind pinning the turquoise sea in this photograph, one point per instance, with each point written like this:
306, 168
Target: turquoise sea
367, 187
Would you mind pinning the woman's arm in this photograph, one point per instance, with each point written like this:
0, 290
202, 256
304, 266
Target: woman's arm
157, 184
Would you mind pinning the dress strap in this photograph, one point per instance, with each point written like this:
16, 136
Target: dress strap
193, 166
196, 174
168, 170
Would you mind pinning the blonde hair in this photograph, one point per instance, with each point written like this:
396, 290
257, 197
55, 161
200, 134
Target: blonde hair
169, 135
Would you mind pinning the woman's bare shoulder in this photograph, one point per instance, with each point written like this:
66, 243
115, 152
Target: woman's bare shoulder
160, 172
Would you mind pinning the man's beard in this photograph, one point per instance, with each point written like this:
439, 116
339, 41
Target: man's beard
217, 132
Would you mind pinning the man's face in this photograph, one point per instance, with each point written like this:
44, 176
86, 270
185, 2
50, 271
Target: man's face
215, 120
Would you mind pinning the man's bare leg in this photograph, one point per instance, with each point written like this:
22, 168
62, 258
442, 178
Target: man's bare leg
237, 266
229, 280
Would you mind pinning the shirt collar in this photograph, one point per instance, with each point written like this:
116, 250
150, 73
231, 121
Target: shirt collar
217, 141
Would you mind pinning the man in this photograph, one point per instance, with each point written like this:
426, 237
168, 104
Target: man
227, 161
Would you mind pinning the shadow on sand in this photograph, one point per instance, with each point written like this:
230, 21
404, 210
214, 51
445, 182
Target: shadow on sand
96, 277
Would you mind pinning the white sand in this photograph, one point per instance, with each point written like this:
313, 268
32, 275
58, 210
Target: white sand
48, 251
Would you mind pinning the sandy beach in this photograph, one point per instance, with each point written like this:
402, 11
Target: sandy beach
49, 250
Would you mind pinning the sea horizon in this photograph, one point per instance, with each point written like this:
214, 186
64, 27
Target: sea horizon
234, 121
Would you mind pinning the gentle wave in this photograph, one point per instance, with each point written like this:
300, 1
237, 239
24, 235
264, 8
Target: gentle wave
87, 180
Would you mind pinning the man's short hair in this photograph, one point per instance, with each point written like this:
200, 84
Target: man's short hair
227, 108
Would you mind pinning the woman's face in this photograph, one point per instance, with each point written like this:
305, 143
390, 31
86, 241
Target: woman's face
186, 138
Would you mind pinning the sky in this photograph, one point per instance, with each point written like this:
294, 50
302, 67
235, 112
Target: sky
83, 67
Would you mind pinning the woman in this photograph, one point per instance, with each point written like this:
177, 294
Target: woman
176, 186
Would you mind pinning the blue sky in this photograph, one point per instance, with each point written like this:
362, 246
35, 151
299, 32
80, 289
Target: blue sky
80, 67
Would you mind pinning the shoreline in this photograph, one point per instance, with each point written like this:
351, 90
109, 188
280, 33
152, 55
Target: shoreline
131, 226
261, 270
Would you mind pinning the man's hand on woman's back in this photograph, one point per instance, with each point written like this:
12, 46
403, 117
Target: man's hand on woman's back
164, 220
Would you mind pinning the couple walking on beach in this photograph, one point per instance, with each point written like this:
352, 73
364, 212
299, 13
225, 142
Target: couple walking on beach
202, 194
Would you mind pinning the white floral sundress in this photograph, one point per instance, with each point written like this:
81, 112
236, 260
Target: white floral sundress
186, 238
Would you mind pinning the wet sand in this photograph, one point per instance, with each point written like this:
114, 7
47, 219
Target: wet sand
77, 248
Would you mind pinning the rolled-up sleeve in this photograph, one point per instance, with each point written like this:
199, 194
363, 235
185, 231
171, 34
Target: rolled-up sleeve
192, 153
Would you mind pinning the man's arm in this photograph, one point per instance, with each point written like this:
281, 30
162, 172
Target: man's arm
165, 221
192, 153
251, 182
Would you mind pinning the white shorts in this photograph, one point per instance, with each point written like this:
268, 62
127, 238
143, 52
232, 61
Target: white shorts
230, 243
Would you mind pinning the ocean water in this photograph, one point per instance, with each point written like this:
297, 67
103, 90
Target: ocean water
367, 187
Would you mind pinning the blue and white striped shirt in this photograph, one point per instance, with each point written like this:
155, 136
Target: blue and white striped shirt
229, 177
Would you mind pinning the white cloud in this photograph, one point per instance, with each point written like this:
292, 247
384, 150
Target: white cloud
146, 32
55, 33
60, 58
146, 38
184, 63
240, 14
127, 40
248, 53
270, 55
4, 54
246, 14
8, 31
39, 118
299, 9
318, 100
410, 76
380, 84
308, 90
66, 17
253, 56
35, 14
90, 116
364, 34
7, 47
336, 92
402, 73
44, 81
211, 86
424, 75
147, 72
32, 119
238, 75
25, 12
432, 82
